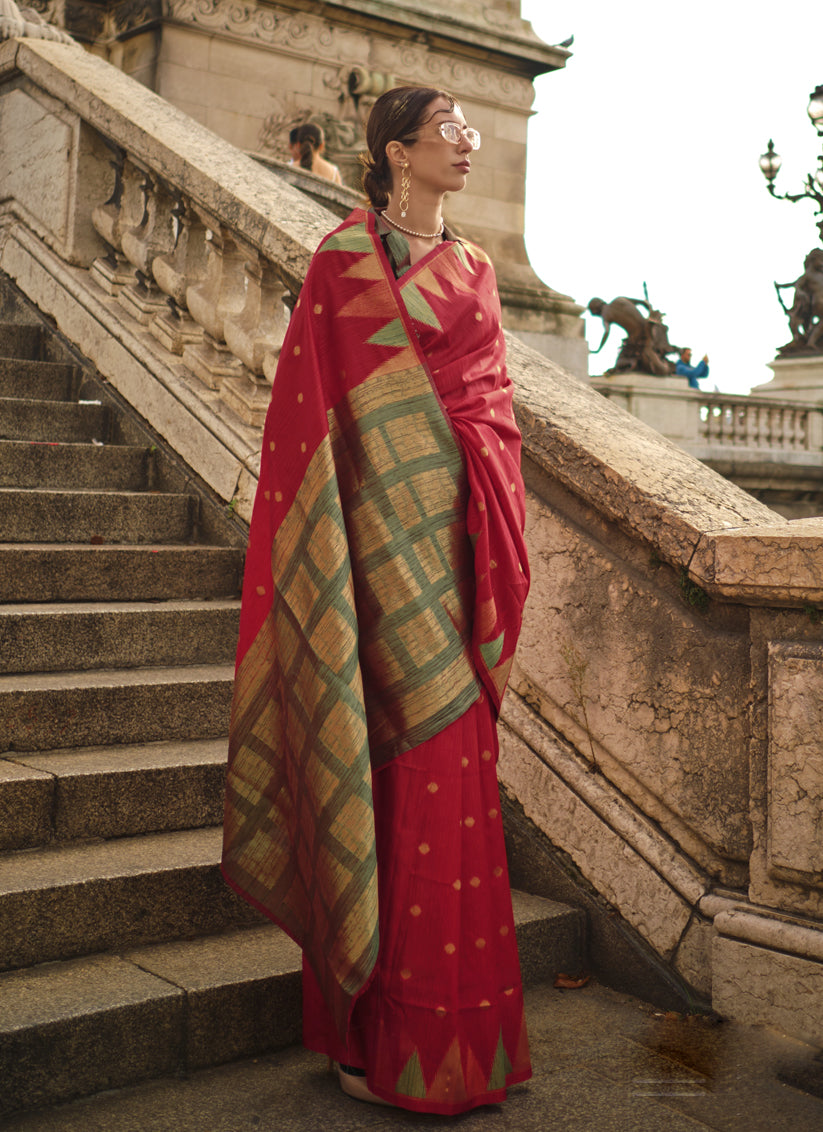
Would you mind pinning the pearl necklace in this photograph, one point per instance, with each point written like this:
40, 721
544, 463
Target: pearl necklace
409, 232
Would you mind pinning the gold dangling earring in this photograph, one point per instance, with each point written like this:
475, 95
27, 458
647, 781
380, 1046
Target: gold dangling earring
405, 186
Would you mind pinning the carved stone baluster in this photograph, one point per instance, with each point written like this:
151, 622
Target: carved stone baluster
765, 422
142, 243
220, 294
255, 336
121, 211
801, 435
182, 268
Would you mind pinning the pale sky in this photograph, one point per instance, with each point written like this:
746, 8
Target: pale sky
643, 167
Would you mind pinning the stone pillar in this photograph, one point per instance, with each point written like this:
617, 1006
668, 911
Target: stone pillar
797, 377
665, 403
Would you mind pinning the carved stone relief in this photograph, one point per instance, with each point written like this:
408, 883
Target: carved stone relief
795, 767
315, 38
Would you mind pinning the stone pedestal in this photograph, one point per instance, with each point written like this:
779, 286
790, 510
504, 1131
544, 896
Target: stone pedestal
668, 404
798, 378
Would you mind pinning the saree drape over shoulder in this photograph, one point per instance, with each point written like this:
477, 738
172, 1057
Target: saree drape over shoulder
384, 586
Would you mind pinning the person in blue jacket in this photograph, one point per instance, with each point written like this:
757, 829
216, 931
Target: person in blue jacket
694, 373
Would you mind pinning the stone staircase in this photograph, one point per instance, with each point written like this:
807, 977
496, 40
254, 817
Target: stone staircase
123, 954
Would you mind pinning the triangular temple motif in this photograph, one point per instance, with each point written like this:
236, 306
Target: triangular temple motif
501, 1066
410, 1083
449, 1084
426, 279
354, 238
392, 334
365, 304
368, 267
417, 306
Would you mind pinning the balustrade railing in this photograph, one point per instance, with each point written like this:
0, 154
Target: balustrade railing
196, 282
750, 422
701, 421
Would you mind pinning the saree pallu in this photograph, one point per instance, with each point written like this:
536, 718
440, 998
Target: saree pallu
383, 588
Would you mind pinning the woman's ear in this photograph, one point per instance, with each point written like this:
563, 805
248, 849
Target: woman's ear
396, 153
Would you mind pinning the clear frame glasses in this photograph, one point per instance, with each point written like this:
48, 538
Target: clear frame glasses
453, 133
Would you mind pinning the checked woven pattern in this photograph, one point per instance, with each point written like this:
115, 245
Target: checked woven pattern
403, 490
311, 851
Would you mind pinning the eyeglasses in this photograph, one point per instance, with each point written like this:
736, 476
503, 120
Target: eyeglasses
453, 133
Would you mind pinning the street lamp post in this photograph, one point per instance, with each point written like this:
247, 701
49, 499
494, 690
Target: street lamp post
770, 162
806, 312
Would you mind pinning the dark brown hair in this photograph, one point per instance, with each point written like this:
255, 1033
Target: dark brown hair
309, 138
397, 115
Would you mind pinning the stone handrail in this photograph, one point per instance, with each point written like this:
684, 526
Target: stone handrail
664, 720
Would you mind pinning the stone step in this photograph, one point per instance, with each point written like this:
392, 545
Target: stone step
102, 517
63, 637
36, 380
65, 901
172, 1008
37, 463
21, 340
95, 792
52, 422
46, 712
117, 573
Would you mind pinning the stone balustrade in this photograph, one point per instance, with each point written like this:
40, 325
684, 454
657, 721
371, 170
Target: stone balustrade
662, 731
703, 422
751, 422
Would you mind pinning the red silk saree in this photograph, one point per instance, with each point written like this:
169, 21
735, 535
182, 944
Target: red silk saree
382, 599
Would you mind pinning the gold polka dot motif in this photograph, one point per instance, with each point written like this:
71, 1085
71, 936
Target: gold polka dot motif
415, 910
424, 848
450, 948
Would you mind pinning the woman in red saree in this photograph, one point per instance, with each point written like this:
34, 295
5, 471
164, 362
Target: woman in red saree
382, 602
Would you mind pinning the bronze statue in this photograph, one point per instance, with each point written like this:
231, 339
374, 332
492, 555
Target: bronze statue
806, 311
646, 344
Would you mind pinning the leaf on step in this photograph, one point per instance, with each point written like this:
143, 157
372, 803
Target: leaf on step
571, 982
97, 540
